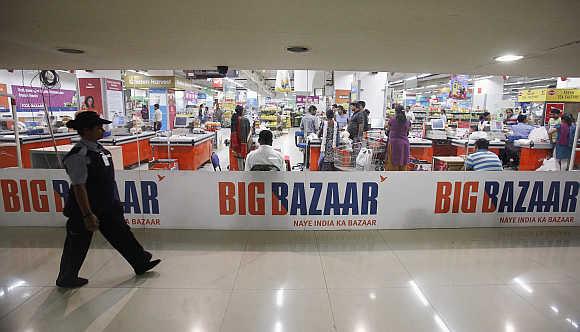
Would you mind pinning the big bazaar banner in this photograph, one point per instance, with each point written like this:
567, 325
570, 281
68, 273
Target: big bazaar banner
308, 201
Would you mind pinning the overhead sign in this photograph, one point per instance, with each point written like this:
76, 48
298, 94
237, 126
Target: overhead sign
319, 201
29, 99
147, 82
556, 95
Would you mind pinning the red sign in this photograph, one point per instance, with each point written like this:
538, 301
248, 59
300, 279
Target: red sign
91, 96
114, 85
4, 103
217, 83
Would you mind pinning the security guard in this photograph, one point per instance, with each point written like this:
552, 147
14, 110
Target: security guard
93, 204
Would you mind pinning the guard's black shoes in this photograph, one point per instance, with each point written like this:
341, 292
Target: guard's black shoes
73, 283
147, 266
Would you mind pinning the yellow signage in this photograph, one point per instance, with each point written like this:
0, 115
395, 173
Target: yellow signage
563, 95
542, 95
160, 82
537, 95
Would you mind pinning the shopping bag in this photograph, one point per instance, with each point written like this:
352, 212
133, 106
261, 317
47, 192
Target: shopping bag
364, 159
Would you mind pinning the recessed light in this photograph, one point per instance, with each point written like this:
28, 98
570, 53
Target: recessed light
509, 58
70, 50
297, 49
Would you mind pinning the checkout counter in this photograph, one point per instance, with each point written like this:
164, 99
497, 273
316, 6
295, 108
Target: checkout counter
191, 151
8, 156
466, 146
136, 148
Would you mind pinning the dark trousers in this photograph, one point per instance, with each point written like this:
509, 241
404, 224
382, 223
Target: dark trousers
78, 240
157, 125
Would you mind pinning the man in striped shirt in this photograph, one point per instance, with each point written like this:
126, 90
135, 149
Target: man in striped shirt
483, 159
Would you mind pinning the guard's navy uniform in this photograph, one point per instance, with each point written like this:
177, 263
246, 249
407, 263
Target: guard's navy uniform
90, 163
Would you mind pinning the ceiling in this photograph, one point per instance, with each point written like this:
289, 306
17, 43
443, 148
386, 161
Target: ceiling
376, 35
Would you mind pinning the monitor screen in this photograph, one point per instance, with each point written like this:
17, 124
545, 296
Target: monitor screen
437, 124
118, 121
180, 122
496, 126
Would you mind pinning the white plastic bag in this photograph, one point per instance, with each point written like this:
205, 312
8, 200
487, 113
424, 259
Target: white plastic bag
477, 135
364, 159
549, 165
539, 135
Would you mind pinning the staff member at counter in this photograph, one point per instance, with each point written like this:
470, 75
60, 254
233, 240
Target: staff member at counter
265, 158
93, 204
484, 121
483, 159
157, 118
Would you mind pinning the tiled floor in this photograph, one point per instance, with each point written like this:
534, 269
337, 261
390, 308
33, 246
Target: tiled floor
464, 280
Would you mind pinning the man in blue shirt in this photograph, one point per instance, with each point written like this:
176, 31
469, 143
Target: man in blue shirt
522, 129
483, 159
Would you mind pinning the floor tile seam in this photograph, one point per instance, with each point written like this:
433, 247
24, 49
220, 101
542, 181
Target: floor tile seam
330, 305
435, 310
531, 304
23, 302
544, 265
231, 291
101, 267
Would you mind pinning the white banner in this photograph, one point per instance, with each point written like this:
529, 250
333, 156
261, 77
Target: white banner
304, 200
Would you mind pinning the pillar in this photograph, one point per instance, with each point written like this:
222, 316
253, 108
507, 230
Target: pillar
488, 94
372, 91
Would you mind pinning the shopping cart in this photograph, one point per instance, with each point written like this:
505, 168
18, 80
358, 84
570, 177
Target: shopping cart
346, 155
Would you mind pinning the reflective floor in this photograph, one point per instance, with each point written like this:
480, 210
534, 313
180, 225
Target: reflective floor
505, 280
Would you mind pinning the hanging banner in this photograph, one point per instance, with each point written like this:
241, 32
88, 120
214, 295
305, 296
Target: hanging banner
342, 97
147, 82
171, 106
458, 87
114, 98
91, 96
4, 101
190, 98
29, 99
314, 201
283, 81
555, 95
217, 83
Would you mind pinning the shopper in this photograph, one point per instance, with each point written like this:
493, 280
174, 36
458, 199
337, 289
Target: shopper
554, 121
157, 118
484, 119
409, 113
240, 137
356, 126
341, 118
218, 114
351, 110
510, 118
443, 117
93, 204
565, 139
309, 123
398, 149
200, 113
144, 113
361, 105
328, 146
279, 121
483, 159
265, 158
521, 130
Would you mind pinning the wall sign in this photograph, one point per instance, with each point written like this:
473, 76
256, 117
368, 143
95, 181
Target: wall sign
30, 99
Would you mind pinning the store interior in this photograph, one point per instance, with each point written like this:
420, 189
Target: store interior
445, 113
